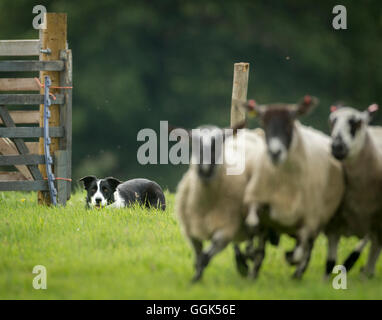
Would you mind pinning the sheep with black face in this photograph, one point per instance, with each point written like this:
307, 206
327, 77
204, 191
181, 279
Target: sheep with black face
209, 201
359, 148
295, 177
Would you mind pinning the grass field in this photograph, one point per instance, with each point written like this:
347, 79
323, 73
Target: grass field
137, 254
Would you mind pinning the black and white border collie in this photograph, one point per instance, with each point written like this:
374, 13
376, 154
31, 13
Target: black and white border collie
116, 194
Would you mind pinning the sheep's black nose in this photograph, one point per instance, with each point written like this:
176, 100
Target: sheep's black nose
275, 155
339, 149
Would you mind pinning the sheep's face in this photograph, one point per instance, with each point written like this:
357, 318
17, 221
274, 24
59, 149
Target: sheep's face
277, 121
348, 130
278, 126
207, 150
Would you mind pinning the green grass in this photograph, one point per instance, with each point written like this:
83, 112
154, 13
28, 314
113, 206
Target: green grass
139, 254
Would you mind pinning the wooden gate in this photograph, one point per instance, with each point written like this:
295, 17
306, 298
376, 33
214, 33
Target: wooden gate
21, 112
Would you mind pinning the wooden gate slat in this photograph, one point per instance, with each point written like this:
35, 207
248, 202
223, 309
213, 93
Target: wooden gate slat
30, 132
20, 47
7, 147
30, 65
28, 99
12, 176
19, 84
19, 143
24, 117
24, 185
27, 159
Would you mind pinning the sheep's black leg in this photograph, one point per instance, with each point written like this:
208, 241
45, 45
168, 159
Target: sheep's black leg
258, 257
218, 243
303, 264
374, 253
241, 261
353, 257
197, 246
333, 240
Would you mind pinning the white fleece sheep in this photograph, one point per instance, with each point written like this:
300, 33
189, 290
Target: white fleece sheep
211, 208
295, 177
359, 147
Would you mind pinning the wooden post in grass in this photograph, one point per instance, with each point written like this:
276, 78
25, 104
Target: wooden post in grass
54, 38
239, 91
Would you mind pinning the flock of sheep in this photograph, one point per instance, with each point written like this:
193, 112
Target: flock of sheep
297, 181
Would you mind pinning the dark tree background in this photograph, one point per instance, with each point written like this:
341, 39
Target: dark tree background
139, 62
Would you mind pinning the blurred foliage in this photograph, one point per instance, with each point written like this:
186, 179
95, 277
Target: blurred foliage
139, 62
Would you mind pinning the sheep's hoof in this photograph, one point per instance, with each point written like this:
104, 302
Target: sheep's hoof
196, 278
289, 258
201, 262
297, 275
253, 275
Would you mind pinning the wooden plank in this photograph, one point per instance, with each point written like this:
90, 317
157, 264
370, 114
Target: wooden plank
23, 185
21, 159
7, 147
24, 117
12, 176
32, 147
62, 171
19, 143
53, 37
28, 99
30, 132
239, 91
66, 115
20, 47
19, 84
30, 65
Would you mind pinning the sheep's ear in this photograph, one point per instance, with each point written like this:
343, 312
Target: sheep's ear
306, 105
88, 180
249, 106
113, 182
335, 106
371, 111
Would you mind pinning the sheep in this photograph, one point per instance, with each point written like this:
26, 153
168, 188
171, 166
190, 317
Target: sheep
295, 178
209, 201
359, 148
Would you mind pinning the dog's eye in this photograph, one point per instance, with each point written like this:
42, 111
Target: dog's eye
104, 189
94, 189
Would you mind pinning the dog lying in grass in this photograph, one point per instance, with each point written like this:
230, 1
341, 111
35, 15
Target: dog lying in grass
114, 193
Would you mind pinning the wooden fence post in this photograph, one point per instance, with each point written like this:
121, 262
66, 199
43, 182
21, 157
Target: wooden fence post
239, 91
54, 37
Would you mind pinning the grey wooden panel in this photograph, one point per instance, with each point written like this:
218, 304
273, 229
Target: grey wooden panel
28, 99
20, 47
23, 185
66, 80
27, 159
19, 143
61, 170
30, 132
30, 65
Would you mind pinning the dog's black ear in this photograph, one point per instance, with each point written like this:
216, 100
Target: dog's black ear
88, 180
113, 182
